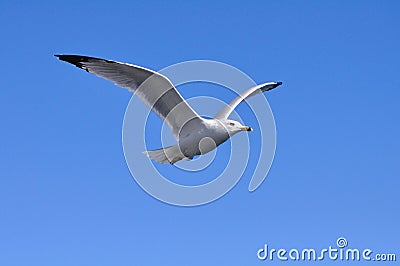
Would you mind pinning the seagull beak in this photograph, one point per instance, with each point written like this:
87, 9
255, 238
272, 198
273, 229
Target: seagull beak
246, 128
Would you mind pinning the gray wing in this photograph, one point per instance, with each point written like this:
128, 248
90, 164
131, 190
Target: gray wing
227, 110
154, 89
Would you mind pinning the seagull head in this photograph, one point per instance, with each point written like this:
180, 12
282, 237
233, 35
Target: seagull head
234, 127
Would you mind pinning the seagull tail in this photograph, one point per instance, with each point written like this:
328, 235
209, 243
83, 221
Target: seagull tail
169, 155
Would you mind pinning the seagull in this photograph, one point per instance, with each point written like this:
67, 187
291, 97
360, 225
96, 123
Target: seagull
195, 135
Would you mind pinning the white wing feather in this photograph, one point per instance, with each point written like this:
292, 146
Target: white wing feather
154, 89
227, 110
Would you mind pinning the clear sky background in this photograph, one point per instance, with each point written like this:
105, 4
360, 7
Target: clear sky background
67, 196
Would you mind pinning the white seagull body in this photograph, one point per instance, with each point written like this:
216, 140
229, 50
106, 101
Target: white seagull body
195, 135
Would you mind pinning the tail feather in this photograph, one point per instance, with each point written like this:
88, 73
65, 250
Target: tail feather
170, 155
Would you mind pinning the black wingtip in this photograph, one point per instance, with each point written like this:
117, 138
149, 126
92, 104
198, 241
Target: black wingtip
73, 59
76, 60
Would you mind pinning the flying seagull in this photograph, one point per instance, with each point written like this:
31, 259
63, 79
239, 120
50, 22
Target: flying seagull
195, 135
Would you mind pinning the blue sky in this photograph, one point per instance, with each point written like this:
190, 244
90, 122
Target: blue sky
67, 196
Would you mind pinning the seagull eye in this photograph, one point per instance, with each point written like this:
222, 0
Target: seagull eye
232, 124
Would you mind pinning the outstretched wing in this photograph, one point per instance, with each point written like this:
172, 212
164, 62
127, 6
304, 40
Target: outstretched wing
227, 110
154, 89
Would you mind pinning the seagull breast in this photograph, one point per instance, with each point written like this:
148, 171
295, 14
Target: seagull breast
200, 136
